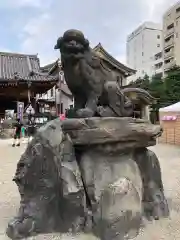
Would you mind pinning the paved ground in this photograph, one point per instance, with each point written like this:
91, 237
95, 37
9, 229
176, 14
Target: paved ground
168, 229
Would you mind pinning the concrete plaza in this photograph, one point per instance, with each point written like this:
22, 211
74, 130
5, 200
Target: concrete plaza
168, 229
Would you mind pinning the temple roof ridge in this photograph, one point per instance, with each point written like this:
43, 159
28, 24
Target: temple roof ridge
111, 59
99, 50
15, 54
19, 66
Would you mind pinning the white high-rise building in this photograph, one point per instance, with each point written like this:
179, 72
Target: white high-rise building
171, 37
142, 45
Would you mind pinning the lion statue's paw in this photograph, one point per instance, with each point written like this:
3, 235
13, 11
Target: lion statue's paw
17, 229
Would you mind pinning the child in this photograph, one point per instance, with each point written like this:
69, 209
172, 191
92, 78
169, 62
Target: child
17, 134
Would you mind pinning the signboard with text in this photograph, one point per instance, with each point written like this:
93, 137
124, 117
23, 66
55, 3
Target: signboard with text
169, 118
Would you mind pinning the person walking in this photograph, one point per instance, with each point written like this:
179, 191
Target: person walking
17, 133
23, 133
31, 129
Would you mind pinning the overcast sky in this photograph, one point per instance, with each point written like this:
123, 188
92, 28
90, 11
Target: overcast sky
32, 26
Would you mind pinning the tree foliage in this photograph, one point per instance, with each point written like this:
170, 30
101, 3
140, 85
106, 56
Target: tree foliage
165, 90
157, 90
141, 83
172, 86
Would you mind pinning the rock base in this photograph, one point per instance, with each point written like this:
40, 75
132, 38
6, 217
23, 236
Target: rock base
70, 181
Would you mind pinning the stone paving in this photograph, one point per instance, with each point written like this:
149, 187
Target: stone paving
168, 229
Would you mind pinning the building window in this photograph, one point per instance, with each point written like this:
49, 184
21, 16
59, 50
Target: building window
158, 56
178, 9
158, 45
167, 50
119, 81
176, 35
158, 36
168, 61
170, 26
142, 53
169, 38
158, 66
62, 108
52, 92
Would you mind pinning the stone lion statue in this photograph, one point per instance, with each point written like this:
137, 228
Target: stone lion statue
93, 86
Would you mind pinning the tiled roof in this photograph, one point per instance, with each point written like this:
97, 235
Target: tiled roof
20, 66
65, 89
47, 68
99, 50
50, 67
107, 57
141, 94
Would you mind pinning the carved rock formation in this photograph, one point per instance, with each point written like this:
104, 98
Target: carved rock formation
87, 175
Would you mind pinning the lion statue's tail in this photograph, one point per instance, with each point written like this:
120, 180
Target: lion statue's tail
138, 94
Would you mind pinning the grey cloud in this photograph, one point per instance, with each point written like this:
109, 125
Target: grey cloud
103, 21
9, 4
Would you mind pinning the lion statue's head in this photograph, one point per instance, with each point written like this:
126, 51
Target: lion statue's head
72, 43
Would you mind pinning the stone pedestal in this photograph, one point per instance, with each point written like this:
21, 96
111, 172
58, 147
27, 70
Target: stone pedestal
89, 175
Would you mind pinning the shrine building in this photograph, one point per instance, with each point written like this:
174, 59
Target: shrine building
21, 78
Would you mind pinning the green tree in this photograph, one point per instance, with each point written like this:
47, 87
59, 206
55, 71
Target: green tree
157, 90
141, 83
172, 85
166, 91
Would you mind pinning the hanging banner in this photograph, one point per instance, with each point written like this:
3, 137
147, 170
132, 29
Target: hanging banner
20, 110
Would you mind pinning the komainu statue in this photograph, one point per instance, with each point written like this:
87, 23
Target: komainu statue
84, 71
94, 172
